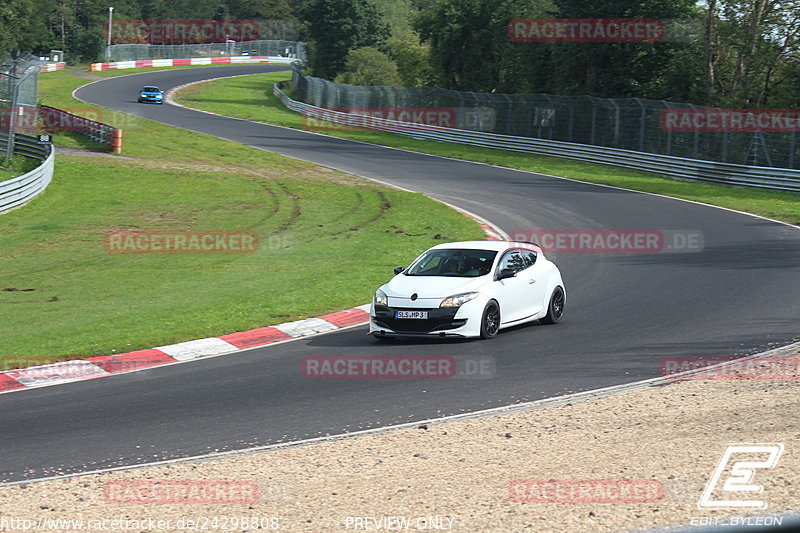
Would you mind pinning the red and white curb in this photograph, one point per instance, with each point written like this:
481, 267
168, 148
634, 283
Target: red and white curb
146, 63
105, 365
493, 233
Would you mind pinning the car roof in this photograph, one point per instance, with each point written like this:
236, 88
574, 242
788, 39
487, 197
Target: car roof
497, 246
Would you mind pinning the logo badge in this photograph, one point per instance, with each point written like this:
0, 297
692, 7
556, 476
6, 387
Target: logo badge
739, 481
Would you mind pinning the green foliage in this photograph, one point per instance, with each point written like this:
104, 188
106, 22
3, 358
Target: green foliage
413, 59
397, 14
369, 66
16, 166
14, 15
335, 27
466, 42
755, 48
740, 53
747, 59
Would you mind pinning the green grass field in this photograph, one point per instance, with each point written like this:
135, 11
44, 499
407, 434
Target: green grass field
17, 165
327, 240
250, 97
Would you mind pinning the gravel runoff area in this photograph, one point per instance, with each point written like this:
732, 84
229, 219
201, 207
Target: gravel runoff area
634, 460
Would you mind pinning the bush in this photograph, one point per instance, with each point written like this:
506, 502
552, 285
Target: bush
369, 66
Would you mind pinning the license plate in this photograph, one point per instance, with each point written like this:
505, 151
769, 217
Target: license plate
411, 314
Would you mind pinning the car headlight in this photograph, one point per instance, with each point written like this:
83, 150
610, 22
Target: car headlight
381, 298
457, 300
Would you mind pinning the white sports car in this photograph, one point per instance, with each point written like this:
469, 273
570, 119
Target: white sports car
469, 289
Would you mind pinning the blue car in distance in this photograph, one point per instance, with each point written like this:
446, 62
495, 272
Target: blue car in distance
151, 94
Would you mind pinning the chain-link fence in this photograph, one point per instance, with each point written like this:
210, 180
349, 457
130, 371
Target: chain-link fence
140, 52
18, 94
652, 126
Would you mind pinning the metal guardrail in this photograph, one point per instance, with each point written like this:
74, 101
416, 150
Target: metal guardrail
17, 191
674, 167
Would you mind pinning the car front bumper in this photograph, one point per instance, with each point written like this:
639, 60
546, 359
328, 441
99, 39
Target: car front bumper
441, 322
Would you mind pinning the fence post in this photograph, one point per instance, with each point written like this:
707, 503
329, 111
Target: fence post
11, 116
642, 120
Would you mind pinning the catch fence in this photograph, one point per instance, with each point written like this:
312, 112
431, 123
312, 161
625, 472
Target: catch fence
650, 126
140, 52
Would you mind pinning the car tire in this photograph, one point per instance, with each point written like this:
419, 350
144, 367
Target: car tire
490, 320
555, 309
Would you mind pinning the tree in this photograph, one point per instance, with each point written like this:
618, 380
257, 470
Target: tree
617, 69
413, 59
752, 52
466, 42
369, 66
14, 15
335, 27
259, 9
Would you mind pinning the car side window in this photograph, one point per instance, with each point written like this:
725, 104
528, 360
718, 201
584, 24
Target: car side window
514, 261
530, 258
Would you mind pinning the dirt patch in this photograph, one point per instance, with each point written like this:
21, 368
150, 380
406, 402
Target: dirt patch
71, 150
83, 74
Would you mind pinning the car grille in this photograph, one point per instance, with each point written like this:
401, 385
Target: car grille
438, 320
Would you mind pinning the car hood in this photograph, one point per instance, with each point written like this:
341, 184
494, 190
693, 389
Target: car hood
402, 286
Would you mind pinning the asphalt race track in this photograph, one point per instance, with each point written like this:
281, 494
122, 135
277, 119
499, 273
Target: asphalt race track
624, 313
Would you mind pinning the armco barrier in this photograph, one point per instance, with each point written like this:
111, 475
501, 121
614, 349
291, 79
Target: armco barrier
146, 63
17, 191
52, 67
675, 167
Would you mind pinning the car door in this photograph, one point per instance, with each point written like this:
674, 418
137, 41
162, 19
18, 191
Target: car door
511, 293
536, 284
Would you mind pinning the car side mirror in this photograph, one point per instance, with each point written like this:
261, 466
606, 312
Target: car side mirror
506, 273
398, 270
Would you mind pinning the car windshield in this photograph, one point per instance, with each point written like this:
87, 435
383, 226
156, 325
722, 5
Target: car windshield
453, 262
151, 90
